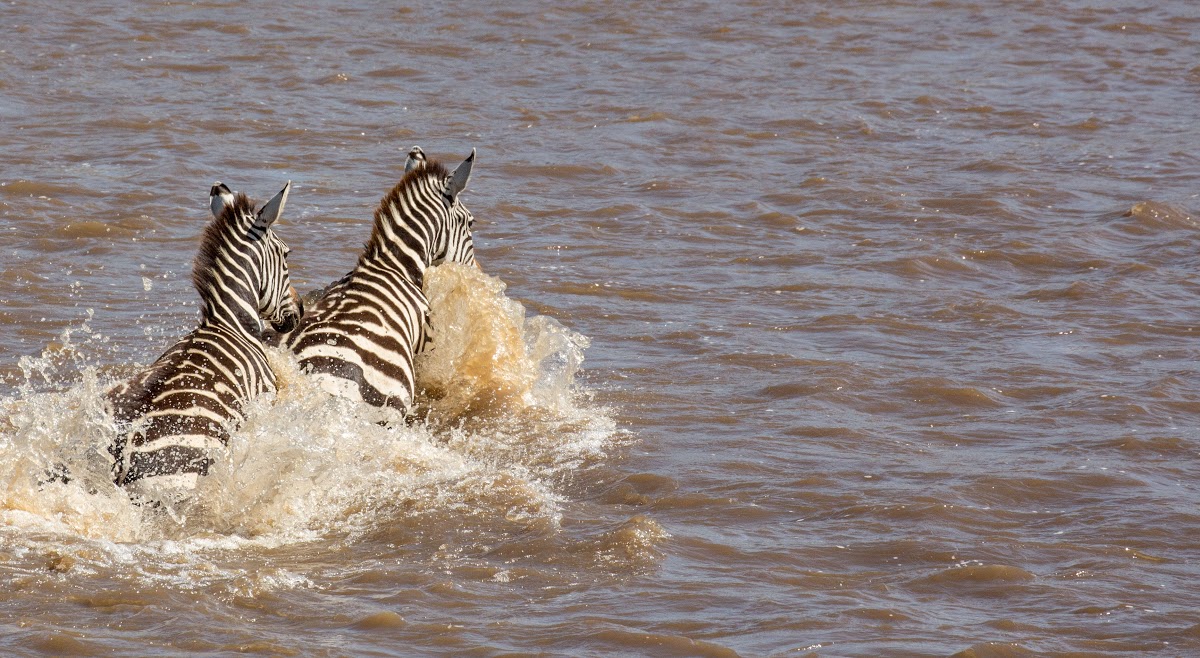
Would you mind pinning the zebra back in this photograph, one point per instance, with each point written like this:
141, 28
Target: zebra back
174, 414
360, 336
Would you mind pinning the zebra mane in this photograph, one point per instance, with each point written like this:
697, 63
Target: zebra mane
204, 266
432, 169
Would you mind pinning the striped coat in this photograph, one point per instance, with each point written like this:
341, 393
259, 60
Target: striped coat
176, 413
358, 338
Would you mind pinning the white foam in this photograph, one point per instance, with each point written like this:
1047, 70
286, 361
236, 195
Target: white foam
502, 418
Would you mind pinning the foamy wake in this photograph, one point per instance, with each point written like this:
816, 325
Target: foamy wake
501, 418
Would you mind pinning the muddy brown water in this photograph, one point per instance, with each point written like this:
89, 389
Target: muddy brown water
852, 329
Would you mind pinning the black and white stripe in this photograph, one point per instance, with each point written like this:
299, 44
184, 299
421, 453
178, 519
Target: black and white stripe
359, 337
175, 414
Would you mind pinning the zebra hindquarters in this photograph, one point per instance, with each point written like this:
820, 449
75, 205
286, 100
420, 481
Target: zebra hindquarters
175, 417
165, 452
352, 370
359, 339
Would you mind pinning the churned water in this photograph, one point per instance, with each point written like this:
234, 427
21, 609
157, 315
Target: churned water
858, 329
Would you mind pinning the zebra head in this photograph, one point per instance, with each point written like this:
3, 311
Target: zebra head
454, 242
240, 244
458, 246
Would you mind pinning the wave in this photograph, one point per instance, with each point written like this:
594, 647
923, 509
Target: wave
502, 421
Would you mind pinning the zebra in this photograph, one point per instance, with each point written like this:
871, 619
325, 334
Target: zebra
359, 336
174, 414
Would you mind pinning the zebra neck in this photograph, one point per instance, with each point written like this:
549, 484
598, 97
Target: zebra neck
399, 258
230, 305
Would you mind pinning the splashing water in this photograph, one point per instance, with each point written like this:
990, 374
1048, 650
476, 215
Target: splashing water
506, 380
501, 420
486, 357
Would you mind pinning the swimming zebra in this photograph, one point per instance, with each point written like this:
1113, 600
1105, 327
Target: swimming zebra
359, 336
178, 411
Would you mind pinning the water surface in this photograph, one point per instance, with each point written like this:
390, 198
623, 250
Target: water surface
851, 330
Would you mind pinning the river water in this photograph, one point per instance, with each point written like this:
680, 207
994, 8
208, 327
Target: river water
851, 329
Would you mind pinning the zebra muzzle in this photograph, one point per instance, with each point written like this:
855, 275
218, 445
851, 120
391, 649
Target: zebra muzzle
290, 319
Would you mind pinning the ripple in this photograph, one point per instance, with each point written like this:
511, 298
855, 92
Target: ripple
986, 574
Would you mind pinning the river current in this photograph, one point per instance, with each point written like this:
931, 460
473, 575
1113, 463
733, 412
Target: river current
802, 329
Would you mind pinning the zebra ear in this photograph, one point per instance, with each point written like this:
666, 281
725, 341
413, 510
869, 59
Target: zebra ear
416, 158
219, 196
458, 180
272, 209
